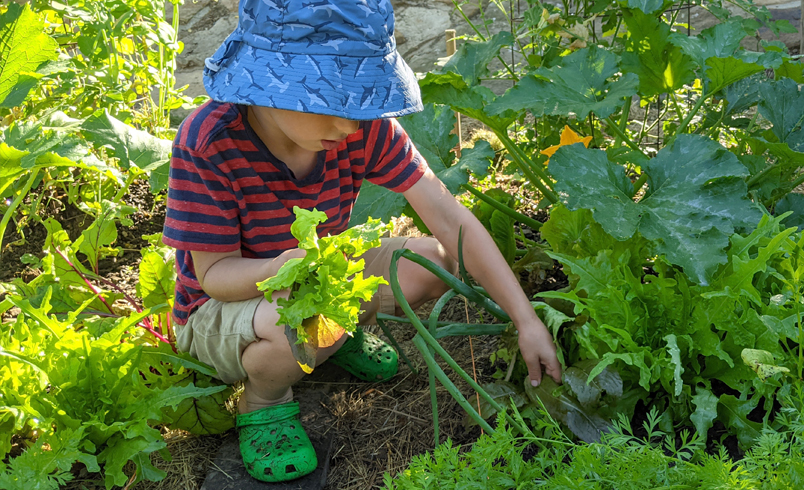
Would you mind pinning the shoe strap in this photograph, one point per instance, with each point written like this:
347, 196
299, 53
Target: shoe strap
269, 415
352, 345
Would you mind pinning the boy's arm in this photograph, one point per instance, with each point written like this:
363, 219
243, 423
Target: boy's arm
445, 216
232, 277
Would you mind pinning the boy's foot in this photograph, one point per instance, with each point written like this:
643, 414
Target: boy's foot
273, 444
367, 357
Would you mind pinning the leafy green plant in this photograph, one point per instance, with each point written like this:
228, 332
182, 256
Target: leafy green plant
87, 372
326, 285
48, 148
655, 459
120, 56
670, 338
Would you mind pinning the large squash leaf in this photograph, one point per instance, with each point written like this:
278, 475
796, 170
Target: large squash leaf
661, 66
205, 414
579, 86
782, 103
695, 200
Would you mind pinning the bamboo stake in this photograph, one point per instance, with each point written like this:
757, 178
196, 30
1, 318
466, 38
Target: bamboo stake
452, 47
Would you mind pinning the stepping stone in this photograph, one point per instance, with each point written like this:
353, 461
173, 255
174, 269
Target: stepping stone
229, 473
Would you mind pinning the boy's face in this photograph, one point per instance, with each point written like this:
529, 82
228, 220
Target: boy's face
312, 132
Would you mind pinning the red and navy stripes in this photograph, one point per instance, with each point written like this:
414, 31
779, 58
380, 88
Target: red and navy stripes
227, 192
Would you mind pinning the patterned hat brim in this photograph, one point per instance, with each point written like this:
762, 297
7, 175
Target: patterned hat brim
356, 88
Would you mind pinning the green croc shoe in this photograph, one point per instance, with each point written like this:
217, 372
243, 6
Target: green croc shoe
367, 357
273, 444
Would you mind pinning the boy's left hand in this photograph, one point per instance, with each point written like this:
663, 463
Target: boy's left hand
537, 348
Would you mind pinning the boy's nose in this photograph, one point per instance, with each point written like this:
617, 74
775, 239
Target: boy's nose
347, 125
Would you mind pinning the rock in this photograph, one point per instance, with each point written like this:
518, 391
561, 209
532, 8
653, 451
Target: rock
229, 473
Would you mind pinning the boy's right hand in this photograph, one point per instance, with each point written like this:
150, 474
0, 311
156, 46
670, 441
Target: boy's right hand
279, 260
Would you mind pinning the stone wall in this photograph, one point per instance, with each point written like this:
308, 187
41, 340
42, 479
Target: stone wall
420, 26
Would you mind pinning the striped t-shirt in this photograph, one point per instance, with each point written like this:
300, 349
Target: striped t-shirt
227, 191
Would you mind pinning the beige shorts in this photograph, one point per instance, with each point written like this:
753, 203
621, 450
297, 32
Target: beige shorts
218, 332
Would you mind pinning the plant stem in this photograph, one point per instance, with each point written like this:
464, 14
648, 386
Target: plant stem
433, 324
15, 204
535, 225
626, 111
800, 331
760, 175
639, 183
613, 126
752, 123
716, 128
689, 117
530, 172
483, 38
676, 107
86, 281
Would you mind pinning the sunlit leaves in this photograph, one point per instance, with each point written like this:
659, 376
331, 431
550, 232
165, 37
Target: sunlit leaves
579, 86
720, 41
131, 146
661, 66
23, 47
452, 90
722, 72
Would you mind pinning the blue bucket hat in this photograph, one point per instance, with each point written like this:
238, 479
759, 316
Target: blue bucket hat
332, 57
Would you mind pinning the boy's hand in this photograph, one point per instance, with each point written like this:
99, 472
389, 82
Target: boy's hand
537, 348
293, 253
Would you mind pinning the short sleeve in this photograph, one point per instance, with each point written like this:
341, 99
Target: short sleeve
392, 160
202, 208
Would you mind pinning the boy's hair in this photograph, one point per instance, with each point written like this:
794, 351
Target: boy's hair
327, 57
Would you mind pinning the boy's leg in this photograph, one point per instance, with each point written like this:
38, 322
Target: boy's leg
418, 284
269, 362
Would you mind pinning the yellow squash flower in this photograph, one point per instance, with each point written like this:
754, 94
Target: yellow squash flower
568, 137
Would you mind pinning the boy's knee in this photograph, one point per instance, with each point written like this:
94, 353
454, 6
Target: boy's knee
432, 249
266, 318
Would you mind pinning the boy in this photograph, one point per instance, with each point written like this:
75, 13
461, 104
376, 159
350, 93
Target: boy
304, 95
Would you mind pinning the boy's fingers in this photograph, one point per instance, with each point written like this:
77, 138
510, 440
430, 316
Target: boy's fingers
534, 371
554, 370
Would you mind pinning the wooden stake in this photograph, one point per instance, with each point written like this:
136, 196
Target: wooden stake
452, 47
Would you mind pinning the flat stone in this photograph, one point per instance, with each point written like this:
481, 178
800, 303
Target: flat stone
229, 473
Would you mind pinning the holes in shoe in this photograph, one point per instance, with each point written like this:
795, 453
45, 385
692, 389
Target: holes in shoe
268, 471
290, 469
273, 432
